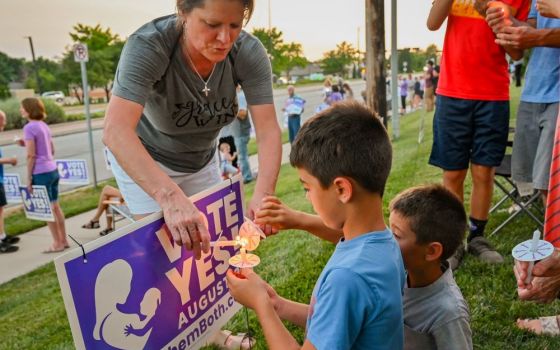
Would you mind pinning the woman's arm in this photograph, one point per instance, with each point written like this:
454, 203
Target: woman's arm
181, 216
438, 13
270, 153
52, 147
31, 155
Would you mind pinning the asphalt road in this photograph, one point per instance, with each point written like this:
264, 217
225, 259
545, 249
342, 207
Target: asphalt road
76, 146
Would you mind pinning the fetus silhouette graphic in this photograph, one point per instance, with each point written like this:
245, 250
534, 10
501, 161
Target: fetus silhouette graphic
118, 329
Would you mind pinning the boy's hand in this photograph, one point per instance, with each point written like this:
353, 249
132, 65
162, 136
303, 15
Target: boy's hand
249, 290
480, 6
498, 16
13, 161
276, 214
549, 8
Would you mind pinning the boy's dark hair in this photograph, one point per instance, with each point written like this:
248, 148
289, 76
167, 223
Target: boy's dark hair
344, 140
434, 214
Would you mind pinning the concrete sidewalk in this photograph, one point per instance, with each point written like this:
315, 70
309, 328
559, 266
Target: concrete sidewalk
7, 137
30, 256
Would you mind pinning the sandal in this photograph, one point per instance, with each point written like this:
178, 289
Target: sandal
542, 325
91, 224
228, 341
105, 231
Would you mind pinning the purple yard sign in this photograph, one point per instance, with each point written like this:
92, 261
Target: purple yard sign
72, 171
36, 205
138, 290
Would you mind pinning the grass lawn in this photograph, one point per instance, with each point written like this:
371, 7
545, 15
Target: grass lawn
32, 314
252, 145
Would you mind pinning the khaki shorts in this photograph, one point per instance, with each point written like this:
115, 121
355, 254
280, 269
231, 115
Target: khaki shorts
140, 203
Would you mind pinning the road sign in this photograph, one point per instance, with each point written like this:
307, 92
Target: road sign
81, 52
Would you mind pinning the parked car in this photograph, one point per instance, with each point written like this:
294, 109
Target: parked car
58, 96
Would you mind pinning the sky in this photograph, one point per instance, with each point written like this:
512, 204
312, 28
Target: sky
319, 25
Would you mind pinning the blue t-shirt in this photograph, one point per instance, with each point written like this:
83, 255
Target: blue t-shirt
541, 79
357, 300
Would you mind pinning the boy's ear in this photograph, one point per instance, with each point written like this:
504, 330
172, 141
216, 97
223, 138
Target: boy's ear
433, 251
343, 188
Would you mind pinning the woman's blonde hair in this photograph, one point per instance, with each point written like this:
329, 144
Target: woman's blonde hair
186, 6
34, 107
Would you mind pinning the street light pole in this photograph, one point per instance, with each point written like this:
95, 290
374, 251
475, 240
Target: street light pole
35, 64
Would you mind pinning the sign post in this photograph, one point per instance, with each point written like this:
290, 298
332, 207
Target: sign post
81, 55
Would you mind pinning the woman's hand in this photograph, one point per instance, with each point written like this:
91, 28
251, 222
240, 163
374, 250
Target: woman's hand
545, 284
12, 161
30, 186
185, 222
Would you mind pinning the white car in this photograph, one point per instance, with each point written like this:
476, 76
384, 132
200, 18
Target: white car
58, 96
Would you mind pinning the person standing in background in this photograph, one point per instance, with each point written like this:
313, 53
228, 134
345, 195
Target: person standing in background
241, 130
6, 242
294, 107
41, 167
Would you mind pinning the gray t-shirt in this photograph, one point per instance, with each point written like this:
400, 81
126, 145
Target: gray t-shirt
436, 316
179, 124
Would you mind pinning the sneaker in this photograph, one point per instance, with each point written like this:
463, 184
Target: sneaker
6, 248
10, 240
457, 258
483, 249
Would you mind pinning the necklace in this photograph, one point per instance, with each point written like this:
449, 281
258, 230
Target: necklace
206, 90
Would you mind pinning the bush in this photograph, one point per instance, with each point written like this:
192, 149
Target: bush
55, 113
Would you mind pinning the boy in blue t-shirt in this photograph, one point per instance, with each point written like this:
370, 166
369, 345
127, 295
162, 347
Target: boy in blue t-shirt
343, 157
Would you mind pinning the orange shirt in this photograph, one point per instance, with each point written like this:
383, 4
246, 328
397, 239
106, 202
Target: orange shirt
473, 66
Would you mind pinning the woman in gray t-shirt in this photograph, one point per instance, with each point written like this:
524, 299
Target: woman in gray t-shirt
174, 90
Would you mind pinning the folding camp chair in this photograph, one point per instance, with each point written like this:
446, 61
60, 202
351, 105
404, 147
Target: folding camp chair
530, 205
119, 211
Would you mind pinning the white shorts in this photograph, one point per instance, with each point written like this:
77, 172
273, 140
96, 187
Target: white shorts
140, 203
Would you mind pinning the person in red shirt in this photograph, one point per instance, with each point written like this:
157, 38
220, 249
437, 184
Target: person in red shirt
471, 121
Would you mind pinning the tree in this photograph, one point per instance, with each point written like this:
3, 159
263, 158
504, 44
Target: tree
49, 73
10, 70
283, 56
273, 42
336, 61
292, 57
104, 49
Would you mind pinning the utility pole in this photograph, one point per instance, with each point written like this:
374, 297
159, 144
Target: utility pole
269, 17
394, 72
39, 87
376, 91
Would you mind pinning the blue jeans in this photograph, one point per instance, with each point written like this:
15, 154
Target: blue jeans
243, 157
294, 122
